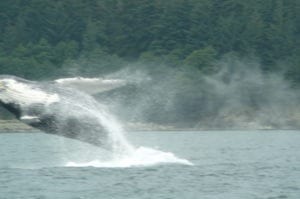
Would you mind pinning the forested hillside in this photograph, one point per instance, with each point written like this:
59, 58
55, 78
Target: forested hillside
180, 42
38, 36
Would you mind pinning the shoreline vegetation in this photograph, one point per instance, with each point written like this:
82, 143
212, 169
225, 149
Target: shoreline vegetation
15, 126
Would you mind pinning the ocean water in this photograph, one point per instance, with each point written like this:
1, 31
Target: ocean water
170, 165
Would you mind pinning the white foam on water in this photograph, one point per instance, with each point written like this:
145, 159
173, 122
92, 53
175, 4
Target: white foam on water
140, 157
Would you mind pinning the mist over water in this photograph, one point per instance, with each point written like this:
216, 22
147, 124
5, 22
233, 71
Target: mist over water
249, 98
238, 95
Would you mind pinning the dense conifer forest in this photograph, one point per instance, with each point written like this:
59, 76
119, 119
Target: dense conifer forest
37, 37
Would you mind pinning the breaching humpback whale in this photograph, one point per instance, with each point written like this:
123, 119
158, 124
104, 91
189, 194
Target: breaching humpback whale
60, 107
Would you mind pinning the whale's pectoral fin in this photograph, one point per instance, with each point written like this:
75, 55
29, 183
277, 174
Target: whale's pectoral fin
28, 119
91, 86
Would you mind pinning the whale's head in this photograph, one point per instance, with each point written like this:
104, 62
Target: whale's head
17, 93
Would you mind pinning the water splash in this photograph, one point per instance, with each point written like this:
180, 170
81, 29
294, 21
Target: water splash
142, 156
123, 154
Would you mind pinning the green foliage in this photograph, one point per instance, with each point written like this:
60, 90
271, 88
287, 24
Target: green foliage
48, 36
203, 59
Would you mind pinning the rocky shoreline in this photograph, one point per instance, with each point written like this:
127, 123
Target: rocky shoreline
17, 126
14, 126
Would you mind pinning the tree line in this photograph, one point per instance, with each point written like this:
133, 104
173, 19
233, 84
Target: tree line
37, 37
